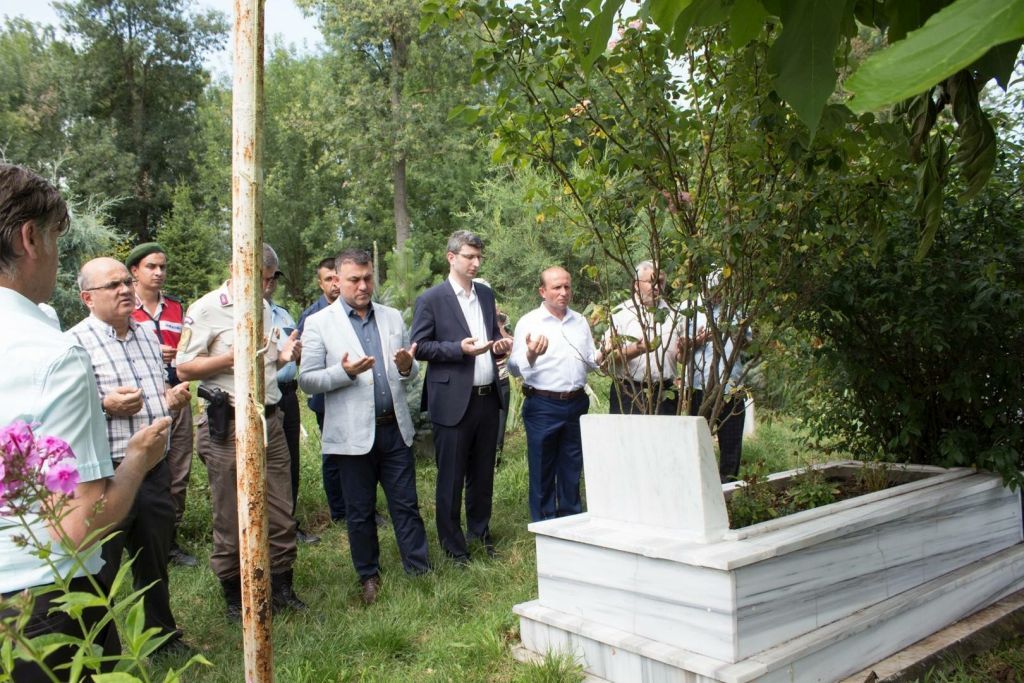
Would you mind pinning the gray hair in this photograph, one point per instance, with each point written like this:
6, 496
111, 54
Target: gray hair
461, 238
644, 266
24, 197
270, 259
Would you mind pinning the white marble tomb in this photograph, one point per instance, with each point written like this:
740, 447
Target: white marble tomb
651, 585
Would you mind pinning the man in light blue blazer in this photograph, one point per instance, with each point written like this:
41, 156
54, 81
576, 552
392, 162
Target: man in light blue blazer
357, 353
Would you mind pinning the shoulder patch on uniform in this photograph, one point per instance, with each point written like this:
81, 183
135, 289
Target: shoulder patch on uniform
187, 320
186, 337
223, 299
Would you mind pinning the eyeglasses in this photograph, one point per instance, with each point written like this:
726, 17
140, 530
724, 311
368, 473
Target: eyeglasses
113, 285
472, 257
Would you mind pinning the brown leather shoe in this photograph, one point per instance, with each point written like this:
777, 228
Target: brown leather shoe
370, 589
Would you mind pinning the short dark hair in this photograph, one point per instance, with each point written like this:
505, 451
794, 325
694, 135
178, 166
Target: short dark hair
326, 263
461, 238
26, 196
360, 257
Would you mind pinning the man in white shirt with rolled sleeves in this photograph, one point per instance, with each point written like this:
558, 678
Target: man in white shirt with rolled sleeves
553, 351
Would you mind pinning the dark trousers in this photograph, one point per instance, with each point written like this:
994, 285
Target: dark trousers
629, 397
289, 407
181, 443
506, 395
554, 451
331, 470
222, 467
43, 623
730, 434
465, 459
390, 462
146, 533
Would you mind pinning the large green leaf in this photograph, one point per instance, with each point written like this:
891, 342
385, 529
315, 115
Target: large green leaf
746, 21
802, 57
950, 40
665, 12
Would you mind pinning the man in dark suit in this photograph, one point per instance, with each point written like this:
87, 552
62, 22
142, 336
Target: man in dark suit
456, 331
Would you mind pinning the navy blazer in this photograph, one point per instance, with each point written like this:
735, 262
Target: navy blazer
438, 328
316, 401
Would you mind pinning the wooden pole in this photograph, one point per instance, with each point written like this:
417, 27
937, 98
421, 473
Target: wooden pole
247, 271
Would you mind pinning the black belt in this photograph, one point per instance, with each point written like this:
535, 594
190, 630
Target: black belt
288, 387
483, 389
557, 395
387, 419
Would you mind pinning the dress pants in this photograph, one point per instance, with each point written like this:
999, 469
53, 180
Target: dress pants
219, 457
630, 397
146, 533
390, 462
289, 407
554, 451
730, 434
465, 459
42, 622
506, 399
330, 468
179, 458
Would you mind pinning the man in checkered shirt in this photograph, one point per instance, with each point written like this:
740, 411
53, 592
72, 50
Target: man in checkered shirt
133, 392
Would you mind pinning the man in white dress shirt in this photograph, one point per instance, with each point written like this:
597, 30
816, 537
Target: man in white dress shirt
553, 351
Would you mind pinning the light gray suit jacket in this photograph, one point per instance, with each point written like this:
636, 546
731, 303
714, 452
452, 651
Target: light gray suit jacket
349, 424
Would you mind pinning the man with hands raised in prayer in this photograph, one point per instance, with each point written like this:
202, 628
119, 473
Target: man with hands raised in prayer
553, 351
456, 331
357, 354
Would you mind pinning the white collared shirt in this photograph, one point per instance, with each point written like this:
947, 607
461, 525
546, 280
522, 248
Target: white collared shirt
483, 369
630, 321
569, 357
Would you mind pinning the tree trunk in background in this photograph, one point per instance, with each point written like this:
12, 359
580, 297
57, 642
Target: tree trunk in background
403, 226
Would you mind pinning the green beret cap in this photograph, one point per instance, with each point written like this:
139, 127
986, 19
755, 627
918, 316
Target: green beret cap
142, 251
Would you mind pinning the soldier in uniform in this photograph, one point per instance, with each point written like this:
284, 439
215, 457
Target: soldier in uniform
163, 314
205, 353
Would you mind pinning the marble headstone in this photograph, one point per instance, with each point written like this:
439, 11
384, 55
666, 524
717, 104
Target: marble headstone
657, 471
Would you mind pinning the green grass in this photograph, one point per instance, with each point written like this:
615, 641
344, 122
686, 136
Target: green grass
450, 625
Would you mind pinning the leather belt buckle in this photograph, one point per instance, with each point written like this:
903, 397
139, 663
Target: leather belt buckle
388, 419
483, 389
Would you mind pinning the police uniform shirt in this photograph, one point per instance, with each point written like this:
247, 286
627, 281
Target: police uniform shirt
209, 330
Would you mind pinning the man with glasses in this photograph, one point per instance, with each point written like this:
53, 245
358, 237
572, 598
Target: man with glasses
288, 384
163, 315
455, 329
206, 354
642, 346
133, 388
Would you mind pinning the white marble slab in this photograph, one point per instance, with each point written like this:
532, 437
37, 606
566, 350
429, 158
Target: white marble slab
633, 477
733, 614
826, 654
655, 541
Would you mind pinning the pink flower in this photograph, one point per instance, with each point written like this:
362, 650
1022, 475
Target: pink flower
16, 438
62, 477
636, 24
54, 449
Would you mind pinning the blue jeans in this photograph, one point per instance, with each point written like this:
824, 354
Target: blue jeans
555, 454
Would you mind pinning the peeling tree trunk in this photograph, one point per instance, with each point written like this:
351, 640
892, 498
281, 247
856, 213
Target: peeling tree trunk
403, 225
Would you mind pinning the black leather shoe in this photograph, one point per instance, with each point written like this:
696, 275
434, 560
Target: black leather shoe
181, 558
233, 598
371, 587
309, 539
282, 596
